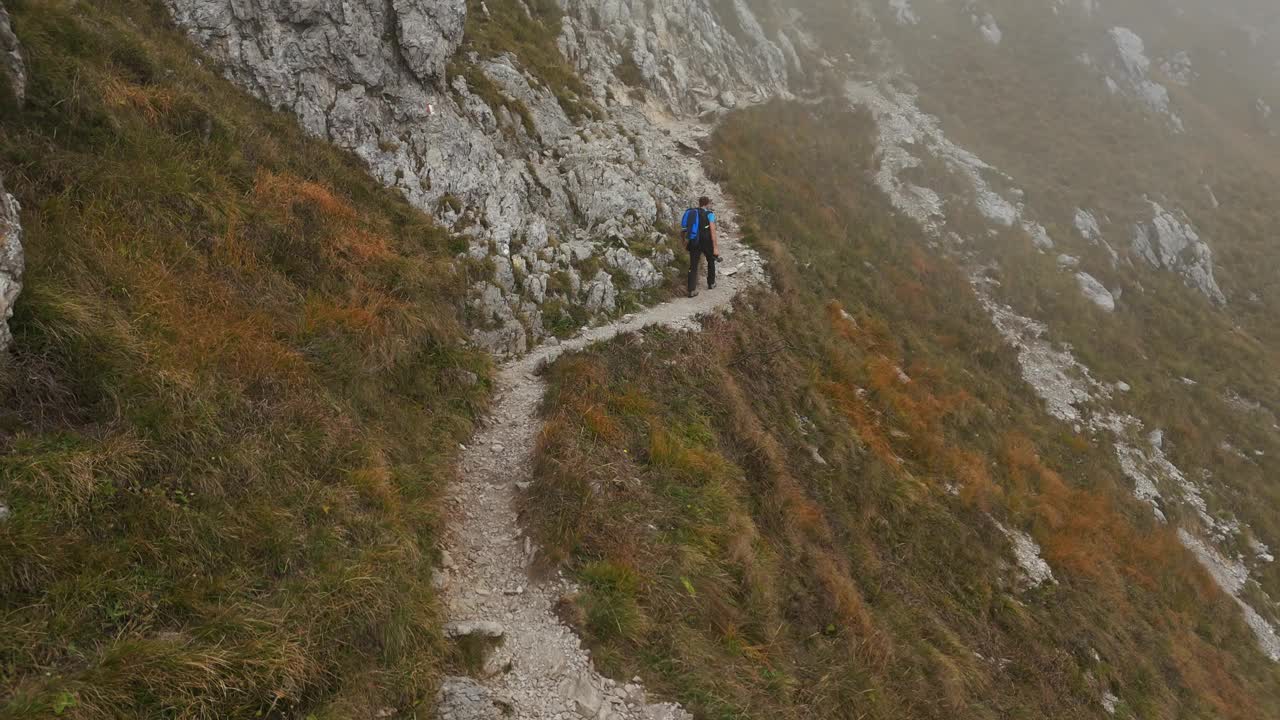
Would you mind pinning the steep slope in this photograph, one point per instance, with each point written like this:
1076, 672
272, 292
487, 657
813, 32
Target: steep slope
1024, 298
844, 500
237, 381
1118, 202
561, 181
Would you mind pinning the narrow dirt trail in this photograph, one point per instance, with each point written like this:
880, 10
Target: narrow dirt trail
540, 671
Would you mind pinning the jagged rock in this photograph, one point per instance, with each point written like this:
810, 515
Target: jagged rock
1096, 292
576, 251
640, 273
1035, 571
732, 52
501, 331
464, 699
1087, 225
1133, 67
585, 697
419, 23
1110, 702
1039, 235
602, 296
504, 274
11, 261
1169, 241
12, 65
369, 76
536, 287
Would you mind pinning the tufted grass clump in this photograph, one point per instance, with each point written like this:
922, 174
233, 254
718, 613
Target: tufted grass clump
530, 31
231, 402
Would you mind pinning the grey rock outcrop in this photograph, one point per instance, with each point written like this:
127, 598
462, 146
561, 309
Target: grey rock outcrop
1087, 225
1095, 292
1132, 69
12, 66
1170, 242
640, 273
517, 174
690, 57
465, 699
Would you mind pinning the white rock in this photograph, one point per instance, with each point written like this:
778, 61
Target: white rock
1087, 225
1133, 67
1095, 291
585, 696
370, 77
1026, 551
1170, 242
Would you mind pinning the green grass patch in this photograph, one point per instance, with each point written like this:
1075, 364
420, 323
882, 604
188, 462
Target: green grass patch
232, 400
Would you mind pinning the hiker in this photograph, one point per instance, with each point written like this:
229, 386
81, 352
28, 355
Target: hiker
699, 226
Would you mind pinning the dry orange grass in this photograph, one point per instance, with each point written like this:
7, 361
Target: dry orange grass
227, 415
818, 576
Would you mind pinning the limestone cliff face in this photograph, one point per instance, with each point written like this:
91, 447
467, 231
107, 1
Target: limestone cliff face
544, 200
690, 58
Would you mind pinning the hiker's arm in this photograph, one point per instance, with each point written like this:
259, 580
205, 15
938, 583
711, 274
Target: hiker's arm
715, 241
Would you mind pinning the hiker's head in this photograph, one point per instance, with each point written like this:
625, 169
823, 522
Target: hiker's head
704, 201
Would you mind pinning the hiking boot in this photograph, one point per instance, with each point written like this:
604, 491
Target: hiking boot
712, 286
693, 293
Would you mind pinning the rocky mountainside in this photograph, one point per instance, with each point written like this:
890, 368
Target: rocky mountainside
1098, 176
564, 188
1109, 231
563, 194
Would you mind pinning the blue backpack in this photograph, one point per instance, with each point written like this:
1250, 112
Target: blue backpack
692, 223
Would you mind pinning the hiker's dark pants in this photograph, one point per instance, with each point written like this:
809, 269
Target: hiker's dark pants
695, 256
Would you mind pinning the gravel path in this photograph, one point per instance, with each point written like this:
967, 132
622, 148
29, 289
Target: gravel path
540, 671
